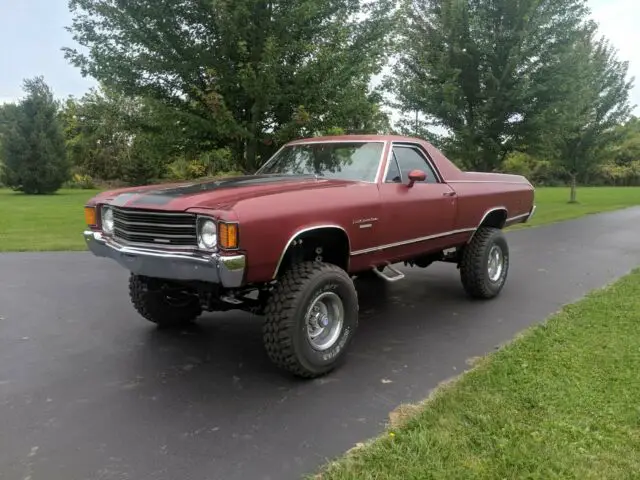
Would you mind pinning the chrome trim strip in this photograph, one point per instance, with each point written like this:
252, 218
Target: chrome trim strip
440, 235
416, 240
162, 225
302, 141
385, 144
430, 237
386, 167
484, 217
194, 266
132, 225
153, 246
518, 217
490, 211
413, 240
489, 181
531, 213
264, 165
513, 175
426, 156
421, 151
161, 235
226, 222
305, 230
141, 211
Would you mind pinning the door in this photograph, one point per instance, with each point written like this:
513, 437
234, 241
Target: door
415, 219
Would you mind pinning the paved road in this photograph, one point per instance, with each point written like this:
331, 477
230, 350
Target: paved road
90, 391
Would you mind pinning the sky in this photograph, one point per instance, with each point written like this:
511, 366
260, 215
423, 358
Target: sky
32, 34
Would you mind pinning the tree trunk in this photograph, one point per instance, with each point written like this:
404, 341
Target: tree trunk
252, 141
252, 150
573, 194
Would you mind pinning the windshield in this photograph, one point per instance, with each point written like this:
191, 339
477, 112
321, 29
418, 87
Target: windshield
357, 161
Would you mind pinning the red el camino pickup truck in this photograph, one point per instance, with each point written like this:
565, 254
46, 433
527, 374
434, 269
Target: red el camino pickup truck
287, 242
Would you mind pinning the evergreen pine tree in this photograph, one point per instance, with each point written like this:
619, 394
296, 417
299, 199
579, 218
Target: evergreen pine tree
33, 147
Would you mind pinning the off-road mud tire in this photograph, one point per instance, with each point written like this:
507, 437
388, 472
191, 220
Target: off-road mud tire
284, 332
473, 266
151, 304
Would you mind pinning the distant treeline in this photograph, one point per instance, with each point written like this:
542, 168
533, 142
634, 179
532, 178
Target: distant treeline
193, 89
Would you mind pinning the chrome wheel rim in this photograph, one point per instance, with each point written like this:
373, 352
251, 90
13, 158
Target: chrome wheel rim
324, 321
495, 265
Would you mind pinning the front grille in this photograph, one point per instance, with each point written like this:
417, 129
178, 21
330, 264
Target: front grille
155, 229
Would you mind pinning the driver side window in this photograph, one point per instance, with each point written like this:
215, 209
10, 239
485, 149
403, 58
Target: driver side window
408, 158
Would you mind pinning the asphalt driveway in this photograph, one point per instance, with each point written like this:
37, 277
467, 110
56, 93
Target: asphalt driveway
88, 390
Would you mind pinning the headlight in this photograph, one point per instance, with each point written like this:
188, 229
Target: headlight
207, 234
107, 220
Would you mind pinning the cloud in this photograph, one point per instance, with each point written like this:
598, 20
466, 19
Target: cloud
617, 20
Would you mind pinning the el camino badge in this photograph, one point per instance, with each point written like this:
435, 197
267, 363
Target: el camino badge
161, 240
365, 222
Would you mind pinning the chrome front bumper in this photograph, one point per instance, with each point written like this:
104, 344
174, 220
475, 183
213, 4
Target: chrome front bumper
227, 271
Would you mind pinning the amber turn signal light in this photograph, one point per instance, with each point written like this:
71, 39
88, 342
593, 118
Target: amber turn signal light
228, 233
90, 216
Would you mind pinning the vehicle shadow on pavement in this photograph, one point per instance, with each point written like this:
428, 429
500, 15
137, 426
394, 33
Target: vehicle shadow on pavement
215, 377
229, 345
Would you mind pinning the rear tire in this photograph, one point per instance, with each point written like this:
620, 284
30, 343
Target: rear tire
311, 318
159, 306
485, 263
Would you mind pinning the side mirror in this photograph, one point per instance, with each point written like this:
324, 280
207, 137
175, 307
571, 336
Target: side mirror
416, 176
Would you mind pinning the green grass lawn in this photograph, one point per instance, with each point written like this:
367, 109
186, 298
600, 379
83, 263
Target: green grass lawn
562, 401
553, 203
55, 222
42, 222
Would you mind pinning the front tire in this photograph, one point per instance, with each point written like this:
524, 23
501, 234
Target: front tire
311, 318
163, 307
485, 263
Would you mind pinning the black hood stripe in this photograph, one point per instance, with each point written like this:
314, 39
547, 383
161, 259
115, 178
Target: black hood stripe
162, 196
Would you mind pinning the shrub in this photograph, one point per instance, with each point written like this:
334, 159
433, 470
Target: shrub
621, 175
537, 171
209, 164
81, 181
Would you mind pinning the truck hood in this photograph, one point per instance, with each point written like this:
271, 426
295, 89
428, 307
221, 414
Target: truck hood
219, 194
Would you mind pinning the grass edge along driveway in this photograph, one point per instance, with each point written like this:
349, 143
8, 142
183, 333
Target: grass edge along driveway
55, 222
559, 401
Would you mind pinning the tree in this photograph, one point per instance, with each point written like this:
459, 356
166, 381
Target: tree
104, 128
33, 146
485, 72
621, 159
97, 134
249, 74
627, 151
7, 119
595, 106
